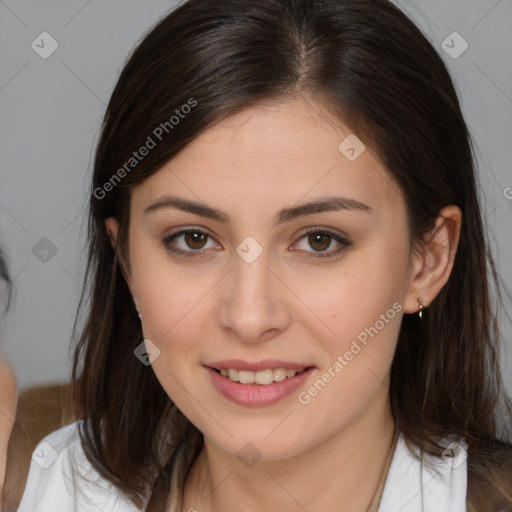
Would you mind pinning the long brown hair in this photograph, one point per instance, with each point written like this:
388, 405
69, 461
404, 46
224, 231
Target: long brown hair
373, 69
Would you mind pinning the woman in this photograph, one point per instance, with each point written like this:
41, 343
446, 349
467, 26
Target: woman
289, 293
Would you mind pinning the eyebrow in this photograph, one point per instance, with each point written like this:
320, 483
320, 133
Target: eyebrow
325, 204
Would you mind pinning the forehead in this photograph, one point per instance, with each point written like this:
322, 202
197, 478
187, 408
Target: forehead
279, 154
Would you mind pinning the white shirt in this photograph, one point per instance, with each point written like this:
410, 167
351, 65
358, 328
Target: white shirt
61, 479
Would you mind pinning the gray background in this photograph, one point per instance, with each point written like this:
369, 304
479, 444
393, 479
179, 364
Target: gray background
50, 114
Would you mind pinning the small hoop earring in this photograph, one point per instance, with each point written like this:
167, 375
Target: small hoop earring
136, 309
420, 312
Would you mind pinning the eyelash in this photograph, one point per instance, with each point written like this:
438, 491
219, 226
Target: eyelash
344, 243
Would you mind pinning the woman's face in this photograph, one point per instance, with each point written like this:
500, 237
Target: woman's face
249, 288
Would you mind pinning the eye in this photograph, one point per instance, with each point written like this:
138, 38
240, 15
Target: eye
194, 242
187, 242
320, 240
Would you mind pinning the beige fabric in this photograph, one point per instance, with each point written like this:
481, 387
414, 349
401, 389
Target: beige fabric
41, 410
8, 401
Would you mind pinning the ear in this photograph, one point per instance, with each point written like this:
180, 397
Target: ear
433, 262
112, 227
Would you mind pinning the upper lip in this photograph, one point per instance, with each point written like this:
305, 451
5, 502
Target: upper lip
266, 364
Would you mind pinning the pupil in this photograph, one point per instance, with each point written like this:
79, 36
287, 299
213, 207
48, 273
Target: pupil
317, 239
194, 238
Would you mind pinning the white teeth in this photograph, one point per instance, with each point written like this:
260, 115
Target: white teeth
233, 375
245, 376
262, 377
279, 374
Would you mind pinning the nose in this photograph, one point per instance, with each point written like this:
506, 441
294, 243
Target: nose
254, 305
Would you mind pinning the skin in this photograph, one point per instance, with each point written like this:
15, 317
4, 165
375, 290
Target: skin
285, 305
8, 403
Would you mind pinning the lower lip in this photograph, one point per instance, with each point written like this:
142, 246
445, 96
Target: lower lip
254, 395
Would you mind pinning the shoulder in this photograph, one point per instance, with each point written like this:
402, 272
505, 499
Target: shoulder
472, 478
419, 481
62, 479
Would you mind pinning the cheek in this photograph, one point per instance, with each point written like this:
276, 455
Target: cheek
365, 289
364, 313
168, 294
174, 319
360, 307
174, 310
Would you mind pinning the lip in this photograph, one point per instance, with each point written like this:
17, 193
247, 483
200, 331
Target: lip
257, 395
266, 364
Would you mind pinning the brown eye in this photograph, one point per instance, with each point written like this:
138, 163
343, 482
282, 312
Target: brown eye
188, 242
319, 241
195, 239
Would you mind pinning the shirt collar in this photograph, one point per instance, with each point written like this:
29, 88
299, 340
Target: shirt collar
412, 486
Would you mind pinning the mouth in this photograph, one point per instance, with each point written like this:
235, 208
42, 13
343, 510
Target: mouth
258, 384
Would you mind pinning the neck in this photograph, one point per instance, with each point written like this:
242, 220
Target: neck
344, 469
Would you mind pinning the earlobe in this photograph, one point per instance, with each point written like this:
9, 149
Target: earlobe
434, 262
112, 227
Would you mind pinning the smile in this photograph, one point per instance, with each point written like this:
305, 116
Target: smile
262, 377
257, 388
